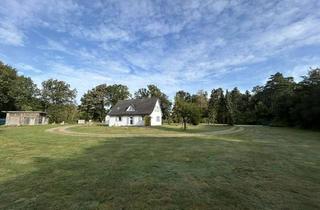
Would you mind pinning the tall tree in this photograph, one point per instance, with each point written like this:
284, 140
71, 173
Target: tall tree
274, 100
182, 95
17, 92
94, 102
213, 104
142, 93
58, 99
115, 93
189, 112
306, 112
201, 100
229, 109
57, 92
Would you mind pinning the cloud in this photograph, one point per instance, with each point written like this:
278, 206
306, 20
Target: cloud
27, 68
11, 35
296, 34
56, 46
302, 67
169, 43
104, 33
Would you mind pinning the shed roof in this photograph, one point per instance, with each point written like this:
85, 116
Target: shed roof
143, 106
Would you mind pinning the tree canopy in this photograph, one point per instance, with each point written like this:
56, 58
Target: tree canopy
187, 111
57, 92
95, 102
17, 92
58, 100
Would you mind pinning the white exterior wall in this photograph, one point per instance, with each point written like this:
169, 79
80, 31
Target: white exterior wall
125, 121
156, 115
156, 118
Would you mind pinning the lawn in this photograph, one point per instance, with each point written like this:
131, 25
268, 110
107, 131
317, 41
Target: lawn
259, 168
172, 129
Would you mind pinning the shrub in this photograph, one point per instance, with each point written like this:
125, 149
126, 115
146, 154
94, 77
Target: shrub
147, 121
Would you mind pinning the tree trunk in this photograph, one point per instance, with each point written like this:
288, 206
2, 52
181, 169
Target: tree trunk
184, 124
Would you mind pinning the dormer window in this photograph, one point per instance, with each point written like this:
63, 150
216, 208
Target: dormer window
130, 109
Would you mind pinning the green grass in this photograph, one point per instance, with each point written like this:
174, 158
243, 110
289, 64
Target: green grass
172, 129
260, 168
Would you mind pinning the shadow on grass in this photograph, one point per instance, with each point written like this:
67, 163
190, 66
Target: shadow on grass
144, 173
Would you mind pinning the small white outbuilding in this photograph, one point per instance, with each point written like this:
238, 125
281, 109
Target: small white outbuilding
133, 112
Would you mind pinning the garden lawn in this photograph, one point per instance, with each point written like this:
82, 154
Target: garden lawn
165, 129
259, 168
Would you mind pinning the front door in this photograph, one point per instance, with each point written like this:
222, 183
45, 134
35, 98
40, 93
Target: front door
131, 120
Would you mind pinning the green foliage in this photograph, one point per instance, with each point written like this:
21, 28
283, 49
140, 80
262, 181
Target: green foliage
58, 101
57, 92
147, 121
229, 110
17, 92
213, 105
195, 114
94, 102
201, 100
187, 111
306, 112
58, 113
115, 93
220, 108
142, 93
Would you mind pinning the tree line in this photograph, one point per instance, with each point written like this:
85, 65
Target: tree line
279, 102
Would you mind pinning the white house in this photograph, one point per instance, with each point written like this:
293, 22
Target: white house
132, 112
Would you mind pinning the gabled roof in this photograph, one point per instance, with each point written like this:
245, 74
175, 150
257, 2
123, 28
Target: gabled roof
143, 106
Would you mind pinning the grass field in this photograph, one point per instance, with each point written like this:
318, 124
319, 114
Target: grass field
259, 168
175, 128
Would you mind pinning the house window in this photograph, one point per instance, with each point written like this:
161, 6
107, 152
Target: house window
130, 109
158, 119
119, 118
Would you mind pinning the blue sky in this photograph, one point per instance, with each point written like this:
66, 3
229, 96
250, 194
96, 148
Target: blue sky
189, 45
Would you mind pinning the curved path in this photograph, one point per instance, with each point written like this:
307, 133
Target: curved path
64, 130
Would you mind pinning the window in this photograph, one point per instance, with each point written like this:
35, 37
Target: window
158, 119
130, 109
157, 108
119, 118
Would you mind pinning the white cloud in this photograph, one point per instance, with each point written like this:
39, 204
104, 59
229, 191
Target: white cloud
57, 46
103, 33
27, 68
303, 66
169, 43
80, 78
11, 35
295, 34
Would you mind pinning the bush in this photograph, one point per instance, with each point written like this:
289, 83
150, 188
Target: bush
59, 113
147, 121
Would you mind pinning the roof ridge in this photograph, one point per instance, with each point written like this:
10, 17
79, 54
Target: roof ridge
142, 106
